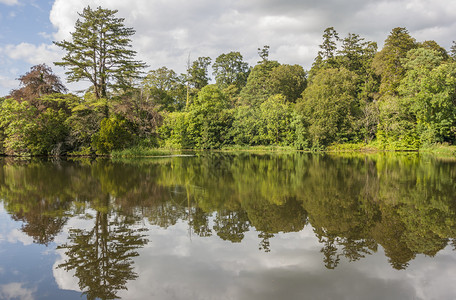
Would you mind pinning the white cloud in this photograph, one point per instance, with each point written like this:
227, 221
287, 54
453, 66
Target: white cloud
33, 54
45, 35
9, 2
167, 31
7, 83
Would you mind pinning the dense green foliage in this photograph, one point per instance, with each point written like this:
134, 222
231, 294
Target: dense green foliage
401, 97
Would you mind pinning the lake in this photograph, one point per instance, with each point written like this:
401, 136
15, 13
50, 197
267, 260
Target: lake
229, 226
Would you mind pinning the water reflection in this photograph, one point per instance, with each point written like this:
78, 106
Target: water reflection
404, 203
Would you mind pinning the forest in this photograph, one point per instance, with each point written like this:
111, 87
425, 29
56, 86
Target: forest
401, 97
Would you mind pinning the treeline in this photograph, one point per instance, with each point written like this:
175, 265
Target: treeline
401, 97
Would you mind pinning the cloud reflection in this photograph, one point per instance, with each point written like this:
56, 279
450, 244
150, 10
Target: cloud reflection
175, 265
15, 290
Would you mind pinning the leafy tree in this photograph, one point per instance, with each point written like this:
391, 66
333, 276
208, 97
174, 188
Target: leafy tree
287, 80
115, 133
429, 92
31, 130
230, 69
432, 45
209, 119
173, 131
421, 58
326, 56
387, 62
258, 87
453, 50
246, 126
39, 81
198, 76
84, 123
275, 116
330, 107
165, 88
356, 54
100, 51
397, 125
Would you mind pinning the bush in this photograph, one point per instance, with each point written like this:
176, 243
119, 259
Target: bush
114, 134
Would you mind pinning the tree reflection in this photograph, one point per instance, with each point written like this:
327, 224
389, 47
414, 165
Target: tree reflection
231, 225
356, 204
102, 256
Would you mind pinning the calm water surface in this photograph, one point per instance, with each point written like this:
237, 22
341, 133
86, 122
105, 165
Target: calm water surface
229, 226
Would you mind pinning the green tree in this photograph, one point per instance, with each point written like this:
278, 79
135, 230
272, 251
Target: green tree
275, 119
100, 51
173, 131
264, 54
429, 92
115, 133
356, 54
84, 123
326, 57
433, 45
230, 69
330, 107
453, 50
209, 120
164, 88
387, 63
198, 76
397, 125
246, 126
329, 45
258, 87
39, 129
287, 80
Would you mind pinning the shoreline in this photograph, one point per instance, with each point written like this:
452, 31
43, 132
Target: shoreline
445, 150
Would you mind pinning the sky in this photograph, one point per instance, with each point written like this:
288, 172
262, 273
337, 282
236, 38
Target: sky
169, 32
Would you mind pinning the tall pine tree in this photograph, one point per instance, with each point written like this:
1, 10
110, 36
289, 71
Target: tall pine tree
100, 51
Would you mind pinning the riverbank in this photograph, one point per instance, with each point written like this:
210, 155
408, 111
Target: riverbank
439, 149
141, 151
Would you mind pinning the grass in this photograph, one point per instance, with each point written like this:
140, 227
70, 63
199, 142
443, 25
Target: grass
258, 148
348, 147
441, 149
142, 151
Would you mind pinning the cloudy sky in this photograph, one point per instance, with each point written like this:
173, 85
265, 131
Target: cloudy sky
167, 32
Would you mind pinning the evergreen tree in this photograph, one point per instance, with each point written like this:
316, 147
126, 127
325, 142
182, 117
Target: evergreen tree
100, 51
387, 62
329, 45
